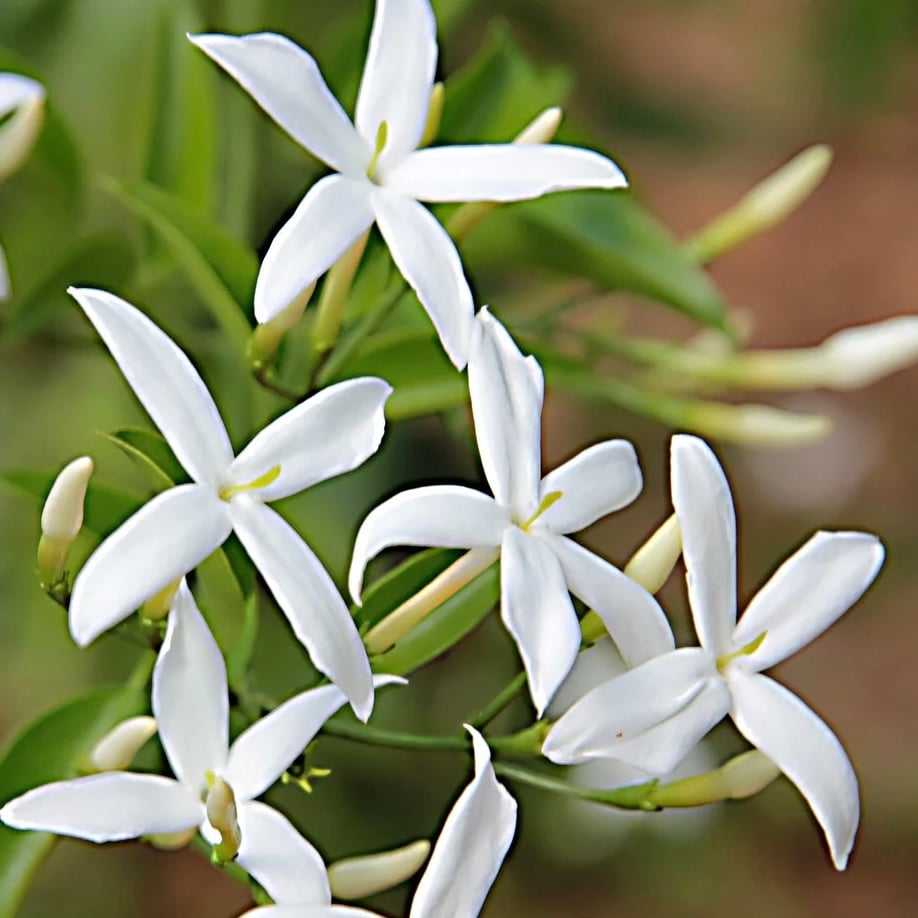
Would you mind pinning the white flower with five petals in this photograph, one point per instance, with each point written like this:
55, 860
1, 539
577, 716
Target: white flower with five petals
327, 435
468, 854
213, 780
380, 175
527, 521
653, 715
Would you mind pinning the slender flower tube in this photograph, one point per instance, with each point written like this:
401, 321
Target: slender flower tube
653, 715
380, 174
528, 520
215, 785
329, 434
472, 845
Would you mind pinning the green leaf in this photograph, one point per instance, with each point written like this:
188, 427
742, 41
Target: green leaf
493, 97
106, 507
413, 362
240, 656
607, 237
442, 628
221, 599
220, 268
401, 583
52, 749
152, 454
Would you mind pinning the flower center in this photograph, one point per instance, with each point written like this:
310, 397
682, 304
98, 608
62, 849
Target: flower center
382, 135
744, 651
220, 805
269, 477
549, 500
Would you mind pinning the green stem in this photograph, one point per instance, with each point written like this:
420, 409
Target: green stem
232, 870
143, 669
499, 701
376, 736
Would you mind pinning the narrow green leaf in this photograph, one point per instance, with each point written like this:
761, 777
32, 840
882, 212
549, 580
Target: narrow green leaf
52, 748
240, 656
151, 452
221, 599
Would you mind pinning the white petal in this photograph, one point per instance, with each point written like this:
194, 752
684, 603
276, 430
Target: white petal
190, 701
441, 516
308, 911
813, 588
429, 262
331, 433
472, 845
501, 172
4, 277
165, 382
114, 806
506, 390
263, 752
627, 705
23, 99
308, 597
806, 750
594, 667
279, 858
595, 483
398, 76
16, 90
285, 81
537, 611
631, 615
707, 521
161, 542
334, 213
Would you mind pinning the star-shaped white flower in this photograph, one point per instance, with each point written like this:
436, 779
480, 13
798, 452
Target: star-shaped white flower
468, 854
527, 521
380, 175
22, 105
653, 715
330, 433
214, 782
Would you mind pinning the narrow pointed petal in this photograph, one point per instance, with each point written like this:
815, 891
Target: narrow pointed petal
472, 845
334, 214
429, 262
307, 596
595, 483
537, 611
263, 752
285, 81
398, 76
707, 521
329, 434
501, 172
308, 911
160, 543
631, 615
624, 707
165, 382
506, 390
440, 516
661, 749
190, 700
779, 724
808, 593
114, 806
286, 865
23, 100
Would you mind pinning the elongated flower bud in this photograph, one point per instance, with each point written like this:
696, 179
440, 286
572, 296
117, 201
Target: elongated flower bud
359, 877
654, 561
740, 777
748, 773
434, 115
267, 336
118, 748
757, 425
62, 519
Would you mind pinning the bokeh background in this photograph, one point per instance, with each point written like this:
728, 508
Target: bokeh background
698, 99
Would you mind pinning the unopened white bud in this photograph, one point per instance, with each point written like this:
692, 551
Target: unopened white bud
62, 514
25, 98
654, 561
434, 115
267, 336
859, 356
766, 205
359, 877
542, 128
754, 425
748, 773
118, 748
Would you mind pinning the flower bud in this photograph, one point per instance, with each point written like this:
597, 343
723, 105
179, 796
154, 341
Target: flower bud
767, 204
25, 98
654, 561
158, 606
755, 425
359, 877
267, 336
118, 748
434, 115
220, 805
748, 773
542, 128
172, 841
62, 519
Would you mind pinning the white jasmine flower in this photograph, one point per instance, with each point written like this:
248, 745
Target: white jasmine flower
379, 174
527, 522
653, 715
330, 433
472, 845
215, 785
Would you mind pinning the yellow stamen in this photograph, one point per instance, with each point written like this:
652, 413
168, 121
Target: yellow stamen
262, 481
549, 500
304, 781
382, 135
745, 651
